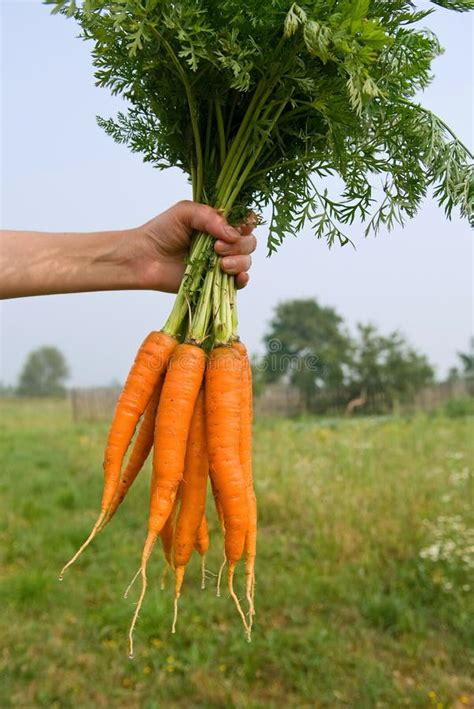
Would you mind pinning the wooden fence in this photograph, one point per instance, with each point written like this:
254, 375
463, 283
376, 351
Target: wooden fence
430, 398
97, 404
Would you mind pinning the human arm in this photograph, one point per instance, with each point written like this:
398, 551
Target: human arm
151, 256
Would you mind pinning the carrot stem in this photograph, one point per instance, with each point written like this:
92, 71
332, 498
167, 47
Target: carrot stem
198, 259
198, 328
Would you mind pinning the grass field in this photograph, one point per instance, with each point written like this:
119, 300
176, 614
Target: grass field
364, 573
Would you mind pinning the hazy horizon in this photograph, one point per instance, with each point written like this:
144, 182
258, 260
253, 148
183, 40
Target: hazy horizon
60, 172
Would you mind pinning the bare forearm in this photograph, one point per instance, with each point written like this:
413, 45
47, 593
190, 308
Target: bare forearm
151, 256
38, 263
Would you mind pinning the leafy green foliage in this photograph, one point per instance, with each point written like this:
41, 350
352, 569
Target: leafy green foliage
466, 360
387, 364
260, 103
44, 373
309, 345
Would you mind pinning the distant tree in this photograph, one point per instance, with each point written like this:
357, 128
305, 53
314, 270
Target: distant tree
44, 373
388, 365
258, 374
6, 390
308, 344
453, 374
467, 362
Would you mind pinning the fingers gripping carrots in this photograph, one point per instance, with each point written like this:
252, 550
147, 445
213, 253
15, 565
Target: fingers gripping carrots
150, 363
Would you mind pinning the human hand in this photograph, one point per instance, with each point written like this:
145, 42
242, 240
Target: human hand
163, 244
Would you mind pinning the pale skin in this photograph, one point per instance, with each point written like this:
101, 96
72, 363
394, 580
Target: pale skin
148, 257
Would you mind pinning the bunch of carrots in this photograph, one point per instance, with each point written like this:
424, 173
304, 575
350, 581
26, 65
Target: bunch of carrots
190, 395
257, 103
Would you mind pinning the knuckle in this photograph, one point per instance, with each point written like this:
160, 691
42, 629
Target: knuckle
183, 203
250, 245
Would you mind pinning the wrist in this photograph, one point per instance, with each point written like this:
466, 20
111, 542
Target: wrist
147, 266
123, 254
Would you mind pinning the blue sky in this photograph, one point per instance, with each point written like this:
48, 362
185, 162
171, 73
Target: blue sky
60, 172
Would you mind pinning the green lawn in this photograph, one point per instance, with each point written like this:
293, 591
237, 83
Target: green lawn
363, 589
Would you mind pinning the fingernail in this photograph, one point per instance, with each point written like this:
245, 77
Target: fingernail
231, 232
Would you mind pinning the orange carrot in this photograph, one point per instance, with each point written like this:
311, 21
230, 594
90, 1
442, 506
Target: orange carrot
246, 415
193, 498
168, 532
167, 539
175, 410
202, 537
150, 363
140, 452
220, 516
223, 399
202, 546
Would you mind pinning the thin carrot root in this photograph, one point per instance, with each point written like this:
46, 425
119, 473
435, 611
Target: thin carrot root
203, 571
94, 532
147, 549
249, 593
219, 578
179, 576
163, 577
253, 593
249, 584
103, 524
125, 595
175, 613
230, 581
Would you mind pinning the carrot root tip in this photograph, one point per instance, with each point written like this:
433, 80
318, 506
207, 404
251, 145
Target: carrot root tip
230, 581
250, 592
203, 572
95, 530
127, 591
147, 549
